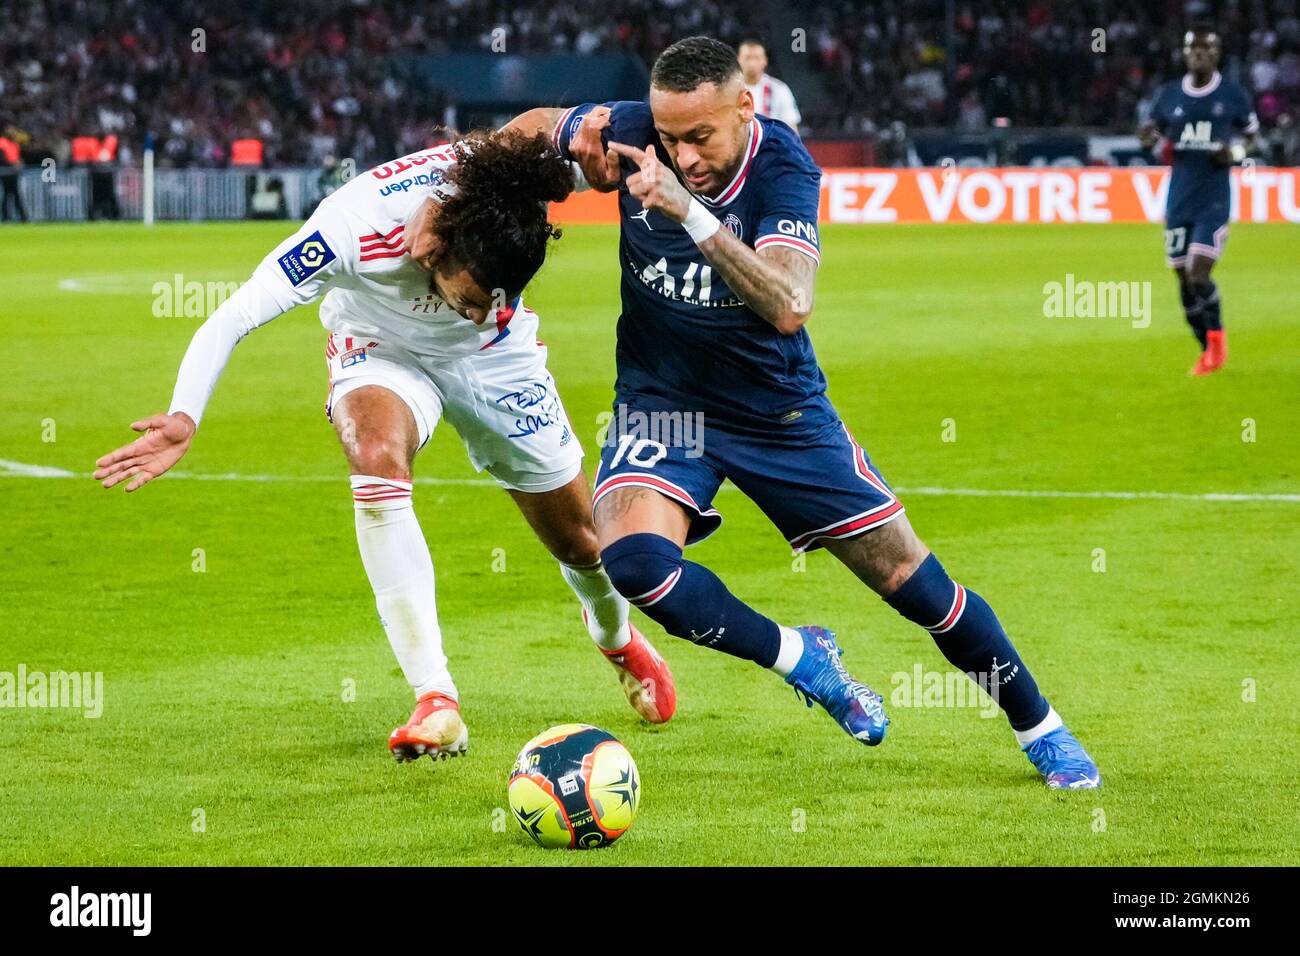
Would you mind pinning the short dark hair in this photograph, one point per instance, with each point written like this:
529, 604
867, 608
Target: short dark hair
494, 223
693, 62
1204, 28
751, 41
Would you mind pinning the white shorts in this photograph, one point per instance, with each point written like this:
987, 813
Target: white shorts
502, 401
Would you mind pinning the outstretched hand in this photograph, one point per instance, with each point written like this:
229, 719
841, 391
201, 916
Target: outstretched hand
165, 440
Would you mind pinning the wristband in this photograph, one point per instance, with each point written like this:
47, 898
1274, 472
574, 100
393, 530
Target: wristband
699, 223
580, 183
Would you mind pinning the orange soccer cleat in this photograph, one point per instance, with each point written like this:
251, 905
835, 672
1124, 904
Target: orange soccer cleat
1215, 354
435, 728
645, 677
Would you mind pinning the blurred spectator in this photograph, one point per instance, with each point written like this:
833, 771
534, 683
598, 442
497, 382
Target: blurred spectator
11, 163
771, 97
320, 77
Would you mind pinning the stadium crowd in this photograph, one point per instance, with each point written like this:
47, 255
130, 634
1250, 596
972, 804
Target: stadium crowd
1091, 63
311, 79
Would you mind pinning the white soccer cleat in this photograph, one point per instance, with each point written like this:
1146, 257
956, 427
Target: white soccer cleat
435, 728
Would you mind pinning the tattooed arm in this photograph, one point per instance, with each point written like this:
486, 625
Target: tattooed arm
776, 283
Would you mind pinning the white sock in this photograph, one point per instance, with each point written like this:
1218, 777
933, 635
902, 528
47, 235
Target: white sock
1044, 726
791, 651
606, 610
400, 569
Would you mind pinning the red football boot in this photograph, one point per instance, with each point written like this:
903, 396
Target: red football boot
645, 677
435, 728
1215, 354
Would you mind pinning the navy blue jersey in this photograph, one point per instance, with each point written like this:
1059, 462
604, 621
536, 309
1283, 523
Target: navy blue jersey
1194, 120
686, 340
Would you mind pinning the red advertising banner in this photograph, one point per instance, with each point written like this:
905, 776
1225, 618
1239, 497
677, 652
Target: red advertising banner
1017, 195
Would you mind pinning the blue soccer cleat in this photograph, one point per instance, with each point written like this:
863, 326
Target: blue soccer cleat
820, 677
1063, 762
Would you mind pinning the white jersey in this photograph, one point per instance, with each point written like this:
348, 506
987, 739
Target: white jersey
352, 252
773, 98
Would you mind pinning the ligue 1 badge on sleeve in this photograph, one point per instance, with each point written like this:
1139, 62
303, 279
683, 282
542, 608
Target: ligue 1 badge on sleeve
306, 259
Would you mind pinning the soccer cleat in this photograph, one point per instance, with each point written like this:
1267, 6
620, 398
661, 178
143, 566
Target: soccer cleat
1063, 762
645, 677
820, 677
1215, 354
435, 728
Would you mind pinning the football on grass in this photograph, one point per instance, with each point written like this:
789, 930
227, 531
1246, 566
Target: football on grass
575, 786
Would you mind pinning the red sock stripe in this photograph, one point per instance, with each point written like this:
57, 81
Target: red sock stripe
658, 594
390, 489
954, 613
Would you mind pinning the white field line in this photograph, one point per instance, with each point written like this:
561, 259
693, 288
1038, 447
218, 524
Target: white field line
17, 469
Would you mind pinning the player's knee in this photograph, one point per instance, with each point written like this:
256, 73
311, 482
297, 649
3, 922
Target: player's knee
640, 564
381, 457
579, 548
899, 572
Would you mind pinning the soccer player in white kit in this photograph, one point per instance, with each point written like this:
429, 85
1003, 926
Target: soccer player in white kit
421, 263
771, 97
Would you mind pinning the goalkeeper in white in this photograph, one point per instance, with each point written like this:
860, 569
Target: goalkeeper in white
421, 264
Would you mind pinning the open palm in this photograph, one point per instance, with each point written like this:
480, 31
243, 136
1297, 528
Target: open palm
165, 440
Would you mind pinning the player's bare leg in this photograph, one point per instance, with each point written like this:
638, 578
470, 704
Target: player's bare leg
893, 562
380, 437
642, 534
1209, 313
562, 521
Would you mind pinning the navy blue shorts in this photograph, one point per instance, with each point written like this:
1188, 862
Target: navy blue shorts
811, 479
1204, 236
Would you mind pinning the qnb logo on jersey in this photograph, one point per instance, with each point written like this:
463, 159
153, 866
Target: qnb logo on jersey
1198, 135
806, 231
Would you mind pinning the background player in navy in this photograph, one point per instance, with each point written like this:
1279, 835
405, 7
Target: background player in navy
718, 269
1206, 123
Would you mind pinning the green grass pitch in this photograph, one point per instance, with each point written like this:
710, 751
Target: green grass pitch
228, 736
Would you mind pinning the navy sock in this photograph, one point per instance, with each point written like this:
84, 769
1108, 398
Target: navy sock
687, 599
1207, 296
970, 637
1192, 310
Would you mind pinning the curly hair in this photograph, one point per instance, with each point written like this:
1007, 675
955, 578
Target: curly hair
494, 221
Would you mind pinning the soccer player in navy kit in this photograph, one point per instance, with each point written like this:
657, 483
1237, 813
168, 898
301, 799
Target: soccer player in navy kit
718, 269
1203, 124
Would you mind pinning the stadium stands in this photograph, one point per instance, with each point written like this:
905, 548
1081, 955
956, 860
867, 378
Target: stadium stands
315, 78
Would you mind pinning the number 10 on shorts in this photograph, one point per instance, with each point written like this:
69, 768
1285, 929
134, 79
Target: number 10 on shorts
642, 452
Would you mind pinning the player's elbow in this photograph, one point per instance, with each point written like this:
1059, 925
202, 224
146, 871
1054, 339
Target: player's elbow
532, 122
790, 320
